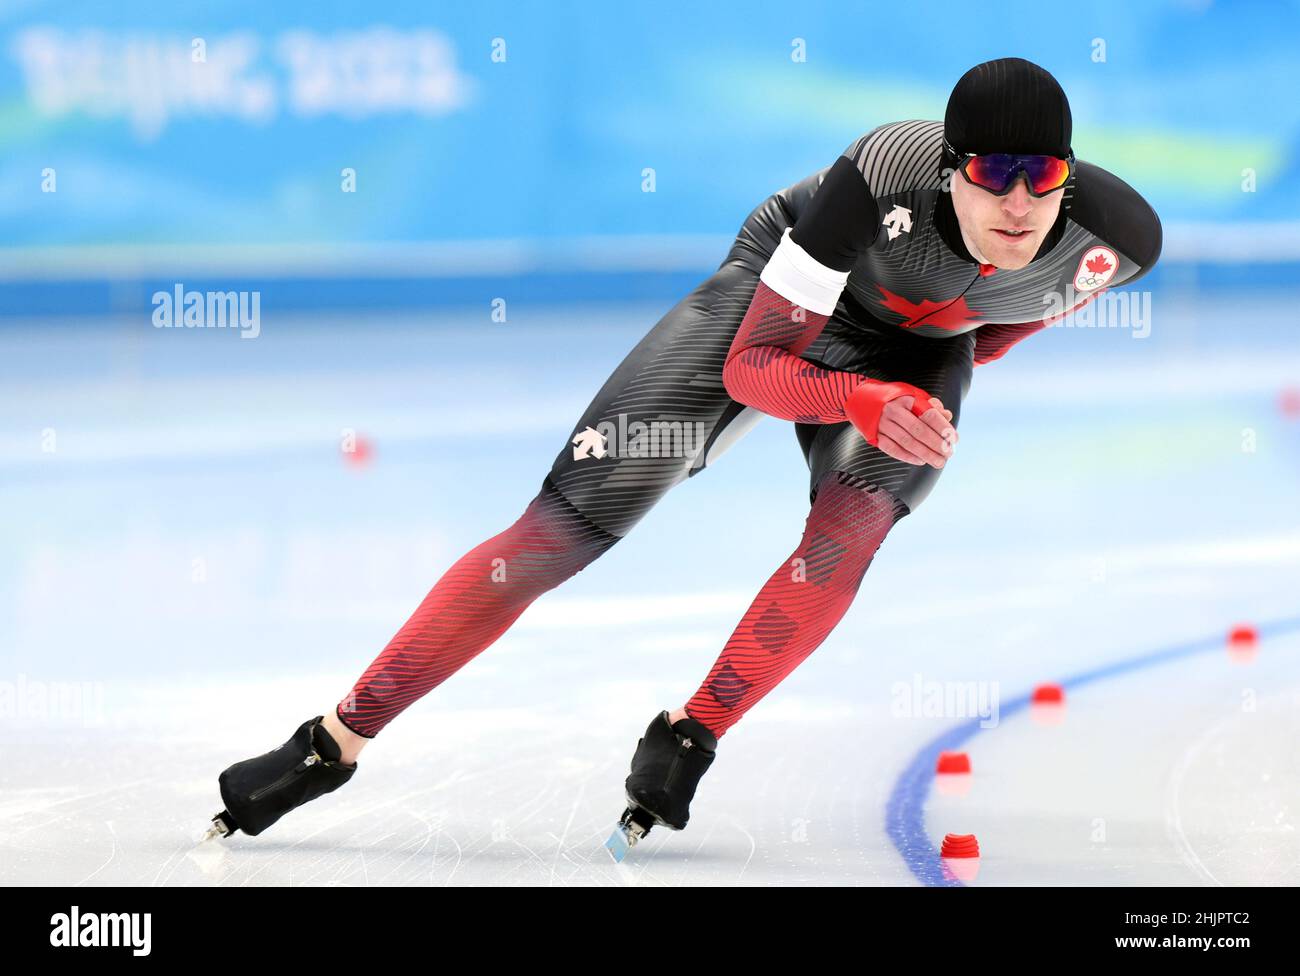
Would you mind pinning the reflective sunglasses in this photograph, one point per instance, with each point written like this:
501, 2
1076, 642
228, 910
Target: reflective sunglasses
998, 172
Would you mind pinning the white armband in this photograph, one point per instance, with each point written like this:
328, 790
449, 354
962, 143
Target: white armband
793, 273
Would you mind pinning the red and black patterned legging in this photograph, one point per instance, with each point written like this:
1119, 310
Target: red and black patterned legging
801, 602
473, 604
478, 599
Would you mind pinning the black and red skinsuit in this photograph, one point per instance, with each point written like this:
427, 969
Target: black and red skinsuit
873, 242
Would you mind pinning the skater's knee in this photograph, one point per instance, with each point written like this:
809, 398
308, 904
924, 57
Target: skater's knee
853, 512
553, 538
549, 543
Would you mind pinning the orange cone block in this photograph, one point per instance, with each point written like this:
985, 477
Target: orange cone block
1243, 643
960, 845
1288, 402
960, 856
1047, 705
952, 762
1049, 694
358, 453
1243, 634
952, 774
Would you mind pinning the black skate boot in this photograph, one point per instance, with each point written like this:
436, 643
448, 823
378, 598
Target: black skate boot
259, 791
666, 768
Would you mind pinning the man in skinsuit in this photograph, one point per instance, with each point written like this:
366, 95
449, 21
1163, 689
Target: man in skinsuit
855, 304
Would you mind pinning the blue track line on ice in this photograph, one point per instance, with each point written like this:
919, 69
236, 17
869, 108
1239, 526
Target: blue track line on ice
905, 810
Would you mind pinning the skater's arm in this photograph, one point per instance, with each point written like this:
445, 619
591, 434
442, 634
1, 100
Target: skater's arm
764, 369
795, 297
994, 339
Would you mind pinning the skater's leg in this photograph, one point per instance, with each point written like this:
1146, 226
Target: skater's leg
858, 493
472, 605
793, 613
800, 603
350, 744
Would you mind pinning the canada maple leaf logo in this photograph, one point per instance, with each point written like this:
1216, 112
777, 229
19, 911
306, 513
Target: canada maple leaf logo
1098, 264
944, 315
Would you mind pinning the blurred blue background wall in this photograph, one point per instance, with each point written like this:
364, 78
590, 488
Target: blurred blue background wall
497, 142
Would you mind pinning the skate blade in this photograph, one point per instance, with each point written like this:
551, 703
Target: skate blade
632, 826
618, 844
218, 828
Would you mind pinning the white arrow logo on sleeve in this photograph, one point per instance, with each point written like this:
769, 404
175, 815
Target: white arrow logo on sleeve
899, 221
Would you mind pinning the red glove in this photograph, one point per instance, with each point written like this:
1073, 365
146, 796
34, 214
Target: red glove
865, 404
